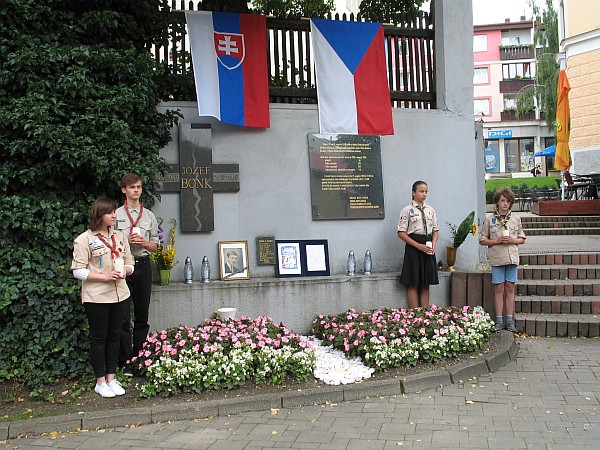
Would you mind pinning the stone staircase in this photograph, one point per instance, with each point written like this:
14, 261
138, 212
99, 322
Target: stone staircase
560, 225
558, 294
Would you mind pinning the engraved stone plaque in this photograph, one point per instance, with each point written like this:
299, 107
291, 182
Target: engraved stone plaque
195, 172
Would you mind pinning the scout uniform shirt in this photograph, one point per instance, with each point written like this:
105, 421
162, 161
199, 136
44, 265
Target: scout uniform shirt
89, 252
501, 255
416, 220
147, 223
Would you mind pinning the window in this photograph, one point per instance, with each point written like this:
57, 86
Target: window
511, 40
480, 75
526, 152
481, 106
516, 70
510, 103
480, 43
511, 152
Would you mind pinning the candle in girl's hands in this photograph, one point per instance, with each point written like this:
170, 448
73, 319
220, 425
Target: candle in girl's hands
119, 266
505, 233
429, 244
136, 230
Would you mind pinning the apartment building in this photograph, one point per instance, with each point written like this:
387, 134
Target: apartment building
504, 59
579, 34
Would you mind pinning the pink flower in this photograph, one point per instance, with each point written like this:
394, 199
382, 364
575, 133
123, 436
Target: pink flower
148, 362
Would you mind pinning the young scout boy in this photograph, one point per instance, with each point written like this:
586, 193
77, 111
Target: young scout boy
141, 228
503, 233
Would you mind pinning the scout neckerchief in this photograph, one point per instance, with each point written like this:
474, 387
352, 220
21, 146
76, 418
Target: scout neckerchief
114, 252
502, 219
131, 221
422, 209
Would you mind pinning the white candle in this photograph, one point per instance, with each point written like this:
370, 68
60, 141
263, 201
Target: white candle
429, 244
119, 266
505, 233
136, 230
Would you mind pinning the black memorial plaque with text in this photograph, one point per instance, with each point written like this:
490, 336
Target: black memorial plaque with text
345, 176
265, 250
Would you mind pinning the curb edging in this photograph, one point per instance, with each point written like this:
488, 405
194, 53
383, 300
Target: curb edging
505, 352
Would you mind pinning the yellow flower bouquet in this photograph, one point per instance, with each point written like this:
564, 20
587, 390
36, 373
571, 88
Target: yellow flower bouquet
164, 256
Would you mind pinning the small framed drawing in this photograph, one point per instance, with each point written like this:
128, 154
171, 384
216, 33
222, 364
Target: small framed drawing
289, 260
317, 257
233, 260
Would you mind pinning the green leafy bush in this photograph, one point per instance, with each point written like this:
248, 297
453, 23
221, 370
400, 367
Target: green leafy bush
78, 96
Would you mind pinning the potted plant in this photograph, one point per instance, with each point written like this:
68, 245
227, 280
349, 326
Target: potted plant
459, 234
164, 256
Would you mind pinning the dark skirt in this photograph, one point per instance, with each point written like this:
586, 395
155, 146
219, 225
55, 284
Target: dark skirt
418, 269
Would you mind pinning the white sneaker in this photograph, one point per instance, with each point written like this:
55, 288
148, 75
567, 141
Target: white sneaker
116, 387
104, 390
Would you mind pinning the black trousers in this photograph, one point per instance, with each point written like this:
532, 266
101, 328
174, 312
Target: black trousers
105, 321
140, 286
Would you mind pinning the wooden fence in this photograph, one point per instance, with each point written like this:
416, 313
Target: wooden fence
409, 55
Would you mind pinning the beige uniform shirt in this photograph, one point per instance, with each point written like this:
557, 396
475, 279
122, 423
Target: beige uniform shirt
89, 252
411, 220
504, 254
148, 227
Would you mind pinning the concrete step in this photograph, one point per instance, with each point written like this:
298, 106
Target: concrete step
559, 272
561, 231
554, 225
559, 219
558, 305
561, 325
560, 288
560, 258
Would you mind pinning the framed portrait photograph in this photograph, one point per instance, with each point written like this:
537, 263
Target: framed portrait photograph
233, 260
289, 258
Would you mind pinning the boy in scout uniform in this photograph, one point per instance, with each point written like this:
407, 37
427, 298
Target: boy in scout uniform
140, 227
503, 233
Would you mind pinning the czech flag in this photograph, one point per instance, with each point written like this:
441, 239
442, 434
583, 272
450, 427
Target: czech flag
229, 56
352, 85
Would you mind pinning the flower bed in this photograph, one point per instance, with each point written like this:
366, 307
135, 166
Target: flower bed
224, 354
392, 337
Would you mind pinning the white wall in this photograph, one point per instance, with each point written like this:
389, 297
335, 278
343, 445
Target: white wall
274, 197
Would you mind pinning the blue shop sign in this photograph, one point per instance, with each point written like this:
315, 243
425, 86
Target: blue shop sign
499, 134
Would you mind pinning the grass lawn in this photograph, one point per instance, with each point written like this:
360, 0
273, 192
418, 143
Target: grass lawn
522, 183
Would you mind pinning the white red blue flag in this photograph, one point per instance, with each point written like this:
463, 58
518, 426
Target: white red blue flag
229, 56
352, 85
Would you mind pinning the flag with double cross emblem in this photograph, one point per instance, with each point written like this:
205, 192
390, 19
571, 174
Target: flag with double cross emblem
230, 66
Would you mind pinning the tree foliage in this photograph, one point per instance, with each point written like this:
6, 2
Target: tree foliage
301, 8
78, 97
389, 11
543, 93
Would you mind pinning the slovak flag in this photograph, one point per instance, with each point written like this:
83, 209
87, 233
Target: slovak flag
229, 55
352, 85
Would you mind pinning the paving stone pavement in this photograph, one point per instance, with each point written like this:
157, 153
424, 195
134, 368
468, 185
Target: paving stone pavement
547, 397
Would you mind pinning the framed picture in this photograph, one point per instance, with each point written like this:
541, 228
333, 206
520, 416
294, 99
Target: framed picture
233, 260
302, 258
317, 257
289, 263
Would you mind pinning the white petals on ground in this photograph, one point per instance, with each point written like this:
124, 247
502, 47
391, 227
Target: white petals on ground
333, 367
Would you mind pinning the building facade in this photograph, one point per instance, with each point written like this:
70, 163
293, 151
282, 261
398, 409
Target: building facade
504, 64
579, 35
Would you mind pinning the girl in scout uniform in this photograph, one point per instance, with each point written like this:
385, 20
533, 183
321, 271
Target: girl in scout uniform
418, 228
502, 232
102, 259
